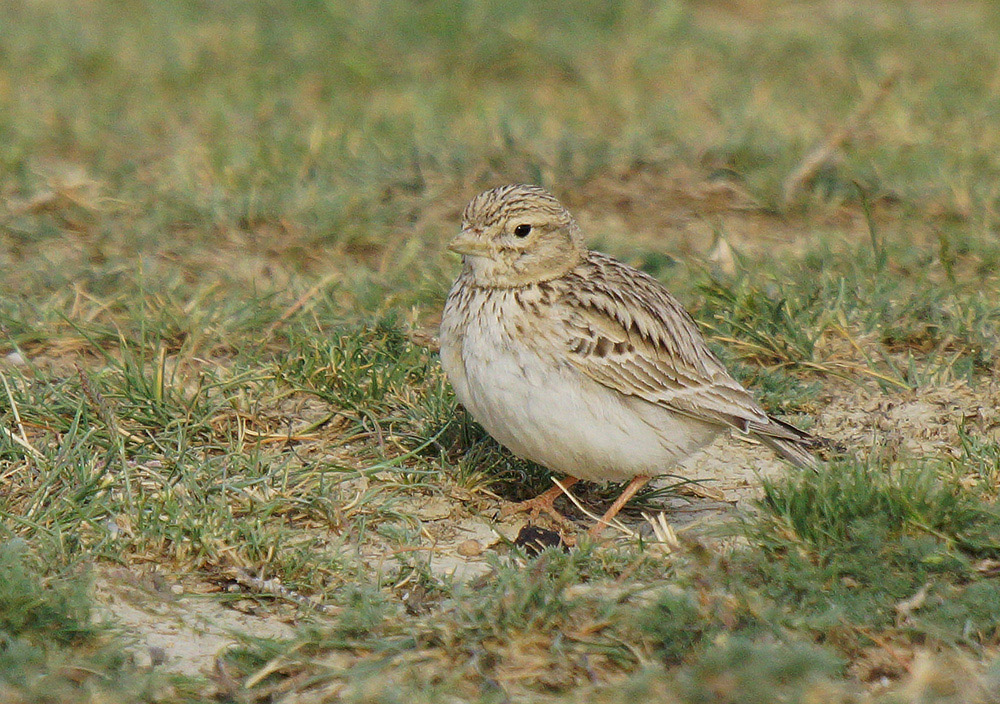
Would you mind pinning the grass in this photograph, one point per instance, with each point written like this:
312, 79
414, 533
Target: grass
222, 233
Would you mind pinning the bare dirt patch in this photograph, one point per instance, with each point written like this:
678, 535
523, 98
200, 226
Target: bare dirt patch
176, 624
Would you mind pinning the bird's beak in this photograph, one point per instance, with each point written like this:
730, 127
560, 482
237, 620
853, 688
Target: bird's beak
469, 243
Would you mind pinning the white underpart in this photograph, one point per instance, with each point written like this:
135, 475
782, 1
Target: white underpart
545, 410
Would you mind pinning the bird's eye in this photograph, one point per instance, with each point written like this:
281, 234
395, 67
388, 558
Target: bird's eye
522, 230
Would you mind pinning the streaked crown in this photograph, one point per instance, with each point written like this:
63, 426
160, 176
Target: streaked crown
506, 203
516, 236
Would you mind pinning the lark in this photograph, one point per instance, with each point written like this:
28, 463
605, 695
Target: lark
581, 363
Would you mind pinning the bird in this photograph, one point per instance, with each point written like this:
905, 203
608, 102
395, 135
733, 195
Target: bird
579, 362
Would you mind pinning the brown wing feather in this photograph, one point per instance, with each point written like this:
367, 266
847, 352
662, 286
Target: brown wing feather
627, 332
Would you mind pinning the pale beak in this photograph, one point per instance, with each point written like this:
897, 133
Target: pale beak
469, 243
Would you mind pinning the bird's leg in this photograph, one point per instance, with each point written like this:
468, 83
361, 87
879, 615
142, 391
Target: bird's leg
542, 502
629, 492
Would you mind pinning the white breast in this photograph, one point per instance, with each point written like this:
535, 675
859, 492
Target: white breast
535, 403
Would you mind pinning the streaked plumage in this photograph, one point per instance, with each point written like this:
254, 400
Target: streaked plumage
577, 361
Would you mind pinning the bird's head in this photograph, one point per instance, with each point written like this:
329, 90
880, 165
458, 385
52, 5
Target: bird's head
517, 235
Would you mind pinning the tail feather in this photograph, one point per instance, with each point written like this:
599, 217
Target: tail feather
789, 442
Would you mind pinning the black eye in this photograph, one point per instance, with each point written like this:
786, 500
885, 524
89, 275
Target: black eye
522, 230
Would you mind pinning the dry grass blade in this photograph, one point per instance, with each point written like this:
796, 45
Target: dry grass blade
301, 301
21, 440
822, 154
13, 409
616, 524
35, 454
666, 538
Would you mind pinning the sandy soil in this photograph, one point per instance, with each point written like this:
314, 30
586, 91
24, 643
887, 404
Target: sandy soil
177, 625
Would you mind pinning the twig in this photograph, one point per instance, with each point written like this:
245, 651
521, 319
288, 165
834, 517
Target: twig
819, 156
276, 588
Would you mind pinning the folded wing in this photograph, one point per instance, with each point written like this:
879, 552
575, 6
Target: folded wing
628, 333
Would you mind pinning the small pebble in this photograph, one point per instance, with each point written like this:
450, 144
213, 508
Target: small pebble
114, 528
15, 359
470, 548
176, 589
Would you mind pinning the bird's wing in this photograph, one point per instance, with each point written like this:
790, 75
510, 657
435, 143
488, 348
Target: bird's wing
627, 332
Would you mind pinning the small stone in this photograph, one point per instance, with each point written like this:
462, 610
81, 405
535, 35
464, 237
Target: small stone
176, 589
15, 359
113, 528
470, 548
434, 509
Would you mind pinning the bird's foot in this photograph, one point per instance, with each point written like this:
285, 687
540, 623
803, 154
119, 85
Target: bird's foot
543, 503
630, 491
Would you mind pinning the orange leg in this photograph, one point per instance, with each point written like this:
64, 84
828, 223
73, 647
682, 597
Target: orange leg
629, 492
542, 502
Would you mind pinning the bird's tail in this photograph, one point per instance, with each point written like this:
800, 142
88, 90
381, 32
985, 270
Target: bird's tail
789, 442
